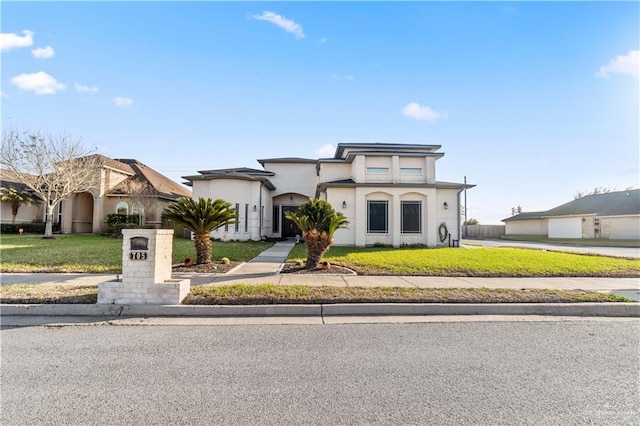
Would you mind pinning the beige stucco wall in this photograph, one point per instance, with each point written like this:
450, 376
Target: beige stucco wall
330, 171
620, 227
433, 213
241, 192
375, 161
300, 178
449, 215
26, 213
527, 227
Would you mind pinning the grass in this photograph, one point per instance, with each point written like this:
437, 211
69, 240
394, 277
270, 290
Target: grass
491, 262
242, 294
589, 242
99, 254
42, 293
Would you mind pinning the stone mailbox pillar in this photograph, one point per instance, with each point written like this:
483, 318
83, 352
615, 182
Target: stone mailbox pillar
146, 271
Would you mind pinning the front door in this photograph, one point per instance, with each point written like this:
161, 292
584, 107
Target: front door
289, 229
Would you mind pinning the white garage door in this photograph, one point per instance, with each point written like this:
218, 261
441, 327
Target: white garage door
570, 227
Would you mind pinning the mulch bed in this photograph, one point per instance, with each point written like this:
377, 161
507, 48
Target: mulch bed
206, 268
292, 268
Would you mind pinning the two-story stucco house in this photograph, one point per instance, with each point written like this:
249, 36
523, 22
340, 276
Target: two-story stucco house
388, 192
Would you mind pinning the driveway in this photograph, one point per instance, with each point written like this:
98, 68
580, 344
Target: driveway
629, 252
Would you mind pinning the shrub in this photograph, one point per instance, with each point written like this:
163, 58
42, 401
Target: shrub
28, 228
117, 222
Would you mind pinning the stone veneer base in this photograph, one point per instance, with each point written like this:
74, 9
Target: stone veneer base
170, 292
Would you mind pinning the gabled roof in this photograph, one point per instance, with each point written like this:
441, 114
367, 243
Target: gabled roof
162, 185
525, 216
619, 203
116, 164
8, 179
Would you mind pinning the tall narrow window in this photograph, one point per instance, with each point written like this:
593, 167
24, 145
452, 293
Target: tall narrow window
276, 219
377, 217
411, 217
246, 218
237, 226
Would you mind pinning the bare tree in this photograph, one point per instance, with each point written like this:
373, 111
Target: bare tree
596, 190
142, 193
54, 166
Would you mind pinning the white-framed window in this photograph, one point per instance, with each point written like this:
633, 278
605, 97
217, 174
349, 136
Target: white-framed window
377, 170
137, 208
122, 207
377, 217
410, 170
411, 217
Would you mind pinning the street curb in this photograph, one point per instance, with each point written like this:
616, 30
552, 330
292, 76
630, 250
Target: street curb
351, 309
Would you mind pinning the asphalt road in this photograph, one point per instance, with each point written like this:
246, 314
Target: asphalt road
630, 252
465, 373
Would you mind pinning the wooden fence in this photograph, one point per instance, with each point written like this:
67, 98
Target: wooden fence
482, 231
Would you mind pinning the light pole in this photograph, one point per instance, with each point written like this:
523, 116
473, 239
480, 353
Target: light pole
466, 231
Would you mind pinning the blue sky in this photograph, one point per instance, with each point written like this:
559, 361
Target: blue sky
531, 101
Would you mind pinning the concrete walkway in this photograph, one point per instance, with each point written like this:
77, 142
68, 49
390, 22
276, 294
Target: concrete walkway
266, 263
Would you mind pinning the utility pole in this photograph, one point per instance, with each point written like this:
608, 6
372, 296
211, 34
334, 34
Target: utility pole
466, 231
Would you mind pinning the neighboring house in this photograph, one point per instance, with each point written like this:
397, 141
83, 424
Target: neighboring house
125, 186
611, 215
388, 192
26, 213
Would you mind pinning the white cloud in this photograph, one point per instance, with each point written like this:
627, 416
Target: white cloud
43, 52
123, 102
85, 89
627, 64
419, 112
326, 151
40, 82
10, 40
282, 22
342, 77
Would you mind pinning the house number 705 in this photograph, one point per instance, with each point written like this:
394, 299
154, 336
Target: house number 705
138, 255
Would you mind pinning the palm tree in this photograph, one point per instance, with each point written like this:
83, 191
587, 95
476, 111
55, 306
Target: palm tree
317, 221
201, 217
17, 198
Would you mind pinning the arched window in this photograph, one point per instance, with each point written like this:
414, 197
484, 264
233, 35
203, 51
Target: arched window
122, 208
137, 208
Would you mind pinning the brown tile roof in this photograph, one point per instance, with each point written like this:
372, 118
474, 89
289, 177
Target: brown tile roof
8, 179
165, 187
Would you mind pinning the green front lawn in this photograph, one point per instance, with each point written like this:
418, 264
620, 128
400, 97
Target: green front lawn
512, 262
99, 254
242, 294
